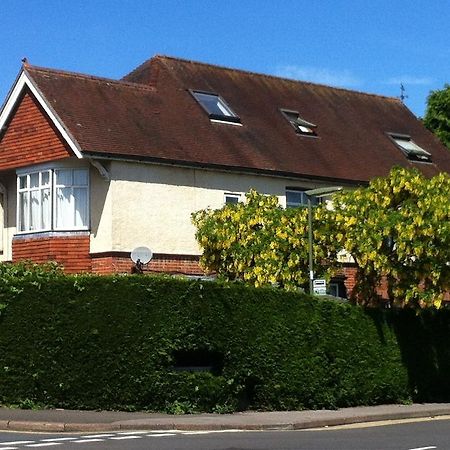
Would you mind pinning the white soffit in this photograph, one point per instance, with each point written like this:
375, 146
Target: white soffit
24, 80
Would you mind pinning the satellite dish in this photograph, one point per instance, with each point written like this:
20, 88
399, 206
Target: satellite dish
141, 255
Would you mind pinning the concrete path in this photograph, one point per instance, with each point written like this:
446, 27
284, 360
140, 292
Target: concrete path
56, 420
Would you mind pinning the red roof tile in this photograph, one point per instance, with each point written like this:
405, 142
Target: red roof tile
150, 114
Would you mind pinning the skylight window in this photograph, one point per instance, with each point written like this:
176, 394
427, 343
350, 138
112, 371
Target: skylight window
215, 106
300, 125
412, 151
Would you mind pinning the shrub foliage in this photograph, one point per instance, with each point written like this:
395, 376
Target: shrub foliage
263, 244
397, 230
112, 343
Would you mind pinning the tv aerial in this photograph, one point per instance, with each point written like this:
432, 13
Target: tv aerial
141, 256
402, 96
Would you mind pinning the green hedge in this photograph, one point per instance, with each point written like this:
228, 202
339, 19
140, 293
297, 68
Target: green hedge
112, 343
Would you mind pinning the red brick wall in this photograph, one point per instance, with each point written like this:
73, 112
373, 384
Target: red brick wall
349, 273
30, 137
71, 251
108, 264
120, 262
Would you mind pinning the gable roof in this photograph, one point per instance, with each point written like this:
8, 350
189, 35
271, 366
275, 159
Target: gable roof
150, 114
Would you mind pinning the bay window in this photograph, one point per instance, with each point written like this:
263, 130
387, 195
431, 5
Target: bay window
53, 199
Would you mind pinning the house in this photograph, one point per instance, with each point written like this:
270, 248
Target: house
91, 168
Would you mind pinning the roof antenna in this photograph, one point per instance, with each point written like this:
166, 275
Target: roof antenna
402, 93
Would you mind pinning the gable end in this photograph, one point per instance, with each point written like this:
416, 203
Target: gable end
30, 137
26, 97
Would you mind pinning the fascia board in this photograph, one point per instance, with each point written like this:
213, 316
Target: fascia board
25, 80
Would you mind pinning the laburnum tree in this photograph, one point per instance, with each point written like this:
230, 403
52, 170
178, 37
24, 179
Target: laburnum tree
264, 244
437, 115
398, 232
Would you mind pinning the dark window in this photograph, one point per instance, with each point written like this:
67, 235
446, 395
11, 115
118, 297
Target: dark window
215, 106
232, 198
412, 151
297, 197
300, 125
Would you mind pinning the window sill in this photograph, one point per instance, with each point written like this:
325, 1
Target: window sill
52, 233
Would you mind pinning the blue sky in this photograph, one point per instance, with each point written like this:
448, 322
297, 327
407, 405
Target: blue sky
370, 46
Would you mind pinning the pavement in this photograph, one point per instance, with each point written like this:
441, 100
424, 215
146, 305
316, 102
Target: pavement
62, 420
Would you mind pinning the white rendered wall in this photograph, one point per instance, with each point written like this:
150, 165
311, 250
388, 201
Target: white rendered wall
8, 211
152, 205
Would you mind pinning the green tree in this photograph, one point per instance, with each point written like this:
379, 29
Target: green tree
261, 243
398, 232
437, 116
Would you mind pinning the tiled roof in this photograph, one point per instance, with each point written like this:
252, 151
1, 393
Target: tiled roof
151, 115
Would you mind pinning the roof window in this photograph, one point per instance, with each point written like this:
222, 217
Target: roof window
216, 107
300, 125
412, 151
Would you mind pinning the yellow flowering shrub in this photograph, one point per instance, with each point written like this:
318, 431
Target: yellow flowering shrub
263, 244
398, 229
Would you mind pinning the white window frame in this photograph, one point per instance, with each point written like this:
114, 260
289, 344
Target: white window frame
72, 187
52, 187
410, 149
231, 195
3, 210
302, 127
226, 115
28, 189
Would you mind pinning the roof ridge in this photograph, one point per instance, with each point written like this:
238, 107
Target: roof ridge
83, 76
266, 75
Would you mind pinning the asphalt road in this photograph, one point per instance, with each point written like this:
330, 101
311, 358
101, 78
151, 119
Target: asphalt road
423, 435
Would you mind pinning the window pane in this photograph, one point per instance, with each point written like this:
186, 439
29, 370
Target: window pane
64, 211
23, 182
80, 197
34, 180
23, 211
295, 198
35, 211
80, 177
213, 104
45, 178
233, 199
63, 177
46, 209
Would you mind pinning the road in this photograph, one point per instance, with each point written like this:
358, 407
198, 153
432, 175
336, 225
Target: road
422, 435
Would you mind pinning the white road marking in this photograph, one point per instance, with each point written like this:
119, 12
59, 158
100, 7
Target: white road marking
9, 448
119, 438
16, 443
423, 448
58, 439
378, 423
93, 436
44, 444
126, 433
86, 441
196, 432
161, 434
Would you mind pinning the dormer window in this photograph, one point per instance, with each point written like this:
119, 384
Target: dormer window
300, 125
412, 151
216, 107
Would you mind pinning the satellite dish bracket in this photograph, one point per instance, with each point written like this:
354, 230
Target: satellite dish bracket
141, 256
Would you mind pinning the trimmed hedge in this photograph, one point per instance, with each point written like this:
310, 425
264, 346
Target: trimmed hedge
113, 343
